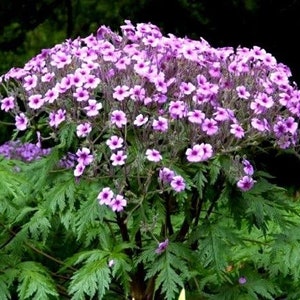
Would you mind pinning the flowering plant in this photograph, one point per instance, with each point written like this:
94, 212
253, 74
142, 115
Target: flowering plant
144, 168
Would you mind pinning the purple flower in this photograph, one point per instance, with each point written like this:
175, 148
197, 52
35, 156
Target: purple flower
55, 118
162, 246
30, 82
51, 95
248, 168
242, 92
81, 94
242, 280
166, 175
245, 183
177, 183
177, 109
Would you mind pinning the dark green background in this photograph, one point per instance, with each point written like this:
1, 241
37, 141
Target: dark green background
28, 26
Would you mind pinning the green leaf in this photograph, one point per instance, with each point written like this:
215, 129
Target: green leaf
93, 278
61, 193
35, 282
214, 170
39, 225
200, 180
214, 246
168, 279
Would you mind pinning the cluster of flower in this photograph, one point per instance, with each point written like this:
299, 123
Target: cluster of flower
171, 92
26, 152
115, 202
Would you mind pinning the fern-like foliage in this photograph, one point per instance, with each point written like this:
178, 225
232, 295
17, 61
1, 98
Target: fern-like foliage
35, 282
93, 278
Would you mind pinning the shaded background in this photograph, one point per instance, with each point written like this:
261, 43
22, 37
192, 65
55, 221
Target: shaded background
28, 26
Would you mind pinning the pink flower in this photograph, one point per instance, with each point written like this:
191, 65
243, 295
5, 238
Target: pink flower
209, 126
51, 95
242, 92
196, 116
35, 101
291, 125
137, 93
153, 155
223, 114
264, 100
93, 108
118, 118
105, 196
30, 82
21, 121
237, 130
178, 183
187, 88
82, 130
84, 157
245, 183
260, 125
114, 142
121, 92
199, 153
118, 159
140, 120
248, 168
7, 103
118, 203
177, 109
47, 77
79, 170
60, 59
91, 82
81, 94
194, 154
160, 125
55, 118
122, 63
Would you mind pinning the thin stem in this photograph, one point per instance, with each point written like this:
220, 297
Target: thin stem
38, 250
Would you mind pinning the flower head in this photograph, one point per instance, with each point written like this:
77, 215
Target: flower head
118, 203
153, 155
105, 196
245, 183
162, 246
118, 159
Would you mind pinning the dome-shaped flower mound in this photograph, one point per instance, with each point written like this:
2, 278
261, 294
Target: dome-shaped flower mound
184, 98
